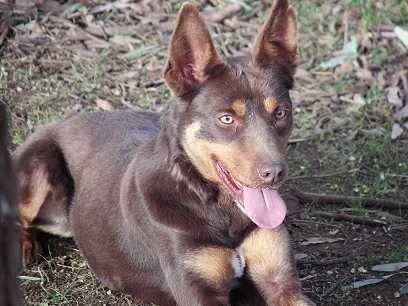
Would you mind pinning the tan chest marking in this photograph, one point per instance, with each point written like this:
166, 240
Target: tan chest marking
239, 108
270, 105
212, 264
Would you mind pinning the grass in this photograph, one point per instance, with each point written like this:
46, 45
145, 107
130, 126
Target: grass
399, 254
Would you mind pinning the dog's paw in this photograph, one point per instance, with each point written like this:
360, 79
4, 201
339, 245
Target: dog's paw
31, 248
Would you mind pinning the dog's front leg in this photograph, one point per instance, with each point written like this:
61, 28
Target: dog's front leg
203, 276
270, 265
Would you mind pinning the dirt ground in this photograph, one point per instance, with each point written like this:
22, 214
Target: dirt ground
351, 117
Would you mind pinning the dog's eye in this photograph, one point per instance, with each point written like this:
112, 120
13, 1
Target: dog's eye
226, 119
281, 113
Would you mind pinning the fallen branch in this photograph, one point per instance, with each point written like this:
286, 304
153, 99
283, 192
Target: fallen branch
326, 199
220, 15
350, 218
326, 262
99, 43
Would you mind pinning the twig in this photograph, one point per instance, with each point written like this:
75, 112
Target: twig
325, 199
296, 140
314, 222
326, 262
336, 285
220, 15
347, 217
322, 175
79, 30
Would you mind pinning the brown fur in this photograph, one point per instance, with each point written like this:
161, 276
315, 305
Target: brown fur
139, 192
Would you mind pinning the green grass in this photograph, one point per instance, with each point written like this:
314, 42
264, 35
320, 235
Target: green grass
399, 254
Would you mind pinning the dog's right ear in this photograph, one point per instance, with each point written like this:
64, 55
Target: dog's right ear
192, 56
277, 41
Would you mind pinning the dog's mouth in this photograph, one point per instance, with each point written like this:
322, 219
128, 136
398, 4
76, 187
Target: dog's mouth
264, 206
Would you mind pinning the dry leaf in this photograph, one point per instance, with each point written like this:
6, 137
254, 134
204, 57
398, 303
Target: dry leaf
364, 75
402, 113
345, 68
358, 100
319, 240
393, 96
396, 131
299, 256
104, 105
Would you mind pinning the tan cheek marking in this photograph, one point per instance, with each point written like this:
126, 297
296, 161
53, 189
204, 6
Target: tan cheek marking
270, 105
213, 264
239, 108
266, 252
233, 155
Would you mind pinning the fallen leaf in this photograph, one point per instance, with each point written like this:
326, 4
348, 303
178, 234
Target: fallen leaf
396, 131
393, 96
104, 105
358, 100
402, 35
402, 113
390, 267
345, 68
367, 282
364, 75
139, 52
319, 240
349, 52
299, 256
404, 289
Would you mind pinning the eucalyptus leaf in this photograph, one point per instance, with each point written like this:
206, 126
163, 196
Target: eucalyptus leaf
348, 53
402, 35
30, 278
404, 289
139, 52
125, 39
390, 267
368, 282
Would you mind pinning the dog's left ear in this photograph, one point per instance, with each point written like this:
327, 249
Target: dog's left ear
193, 58
277, 41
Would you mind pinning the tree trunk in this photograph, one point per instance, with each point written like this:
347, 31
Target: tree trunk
10, 258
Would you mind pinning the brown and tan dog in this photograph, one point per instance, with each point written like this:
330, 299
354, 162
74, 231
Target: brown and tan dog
179, 208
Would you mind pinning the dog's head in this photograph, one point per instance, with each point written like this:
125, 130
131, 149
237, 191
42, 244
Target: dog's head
236, 115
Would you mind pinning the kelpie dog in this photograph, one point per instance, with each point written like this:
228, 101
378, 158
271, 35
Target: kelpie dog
179, 209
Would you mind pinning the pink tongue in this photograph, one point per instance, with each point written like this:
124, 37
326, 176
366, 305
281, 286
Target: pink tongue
264, 207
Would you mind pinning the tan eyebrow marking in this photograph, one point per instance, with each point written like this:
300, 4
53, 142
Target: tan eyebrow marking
239, 107
270, 104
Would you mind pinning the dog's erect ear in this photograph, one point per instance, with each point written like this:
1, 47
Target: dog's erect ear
193, 58
277, 41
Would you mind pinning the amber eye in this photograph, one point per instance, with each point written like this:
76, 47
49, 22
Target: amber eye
226, 119
281, 113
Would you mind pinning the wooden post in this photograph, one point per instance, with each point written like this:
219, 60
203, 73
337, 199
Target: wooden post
10, 259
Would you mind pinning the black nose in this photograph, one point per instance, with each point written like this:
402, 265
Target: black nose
272, 173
